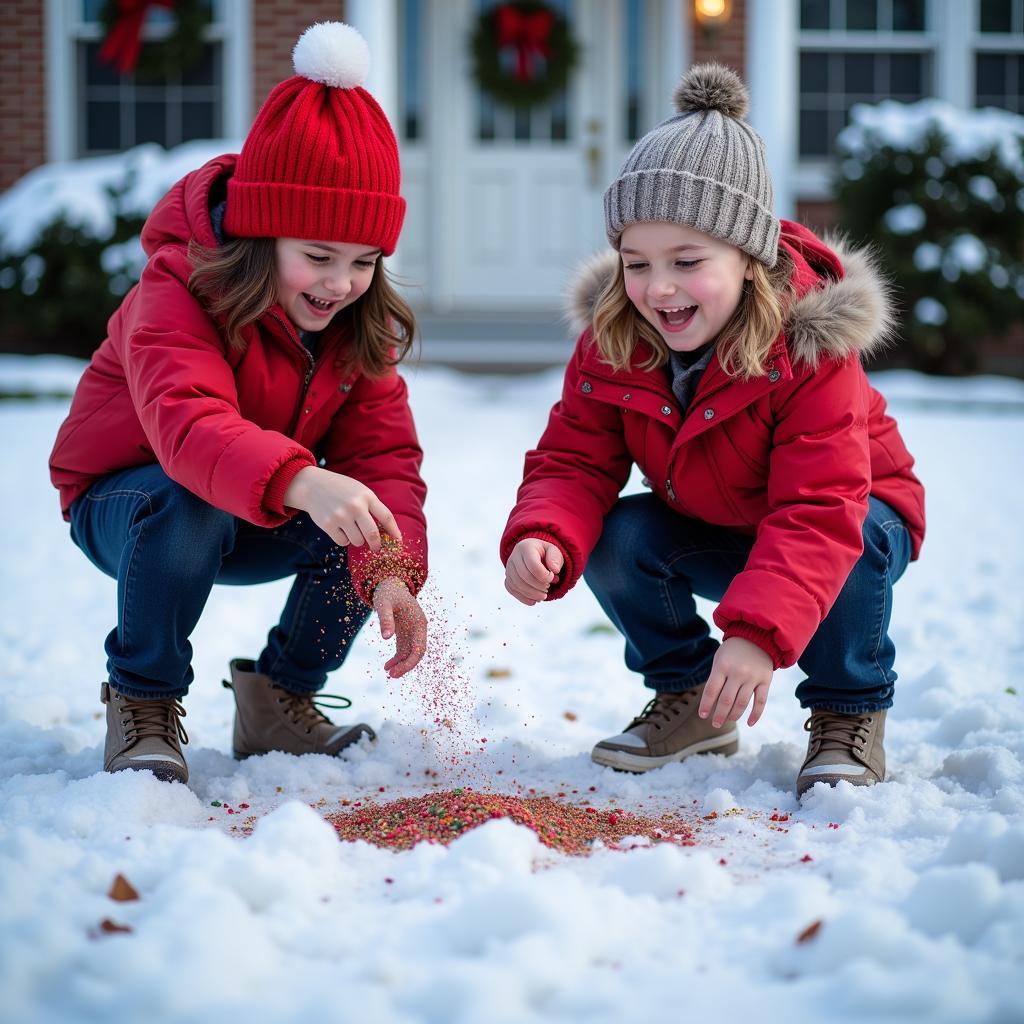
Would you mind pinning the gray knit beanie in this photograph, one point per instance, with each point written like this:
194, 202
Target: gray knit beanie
704, 168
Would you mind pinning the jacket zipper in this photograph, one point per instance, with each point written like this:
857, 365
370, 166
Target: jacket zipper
310, 369
671, 492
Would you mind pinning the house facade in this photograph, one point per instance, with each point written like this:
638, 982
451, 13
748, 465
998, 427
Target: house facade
503, 202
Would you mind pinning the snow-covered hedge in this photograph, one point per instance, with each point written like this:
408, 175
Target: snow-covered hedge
69, 242
940, 192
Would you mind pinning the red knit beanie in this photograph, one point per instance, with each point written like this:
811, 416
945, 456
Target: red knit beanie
320, 161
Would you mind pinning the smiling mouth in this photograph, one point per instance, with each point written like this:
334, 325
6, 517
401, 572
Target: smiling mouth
320, 305
676, 318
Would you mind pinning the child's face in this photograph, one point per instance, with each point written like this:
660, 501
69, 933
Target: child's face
683, 282
316, 279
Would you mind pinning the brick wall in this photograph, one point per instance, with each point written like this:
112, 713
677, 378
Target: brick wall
276, 25
727, 45
22, 90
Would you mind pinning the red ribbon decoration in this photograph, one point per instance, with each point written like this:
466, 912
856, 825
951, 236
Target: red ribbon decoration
122, 45
529, 33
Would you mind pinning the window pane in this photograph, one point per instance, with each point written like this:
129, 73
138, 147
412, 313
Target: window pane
102, 126
996, 16
861, 15
412, 68
990, 74
151, 122
203, 72
859, 74
197, 121
96, 71
814, 14
814, 72
908, 15
814, 133
635, 65
905, 76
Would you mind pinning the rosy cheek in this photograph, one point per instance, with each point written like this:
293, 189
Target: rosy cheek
635, 291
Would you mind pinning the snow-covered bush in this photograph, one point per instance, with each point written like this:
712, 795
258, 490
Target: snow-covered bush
69, 243
940, 192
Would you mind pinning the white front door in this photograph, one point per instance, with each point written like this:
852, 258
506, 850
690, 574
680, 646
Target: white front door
503, 204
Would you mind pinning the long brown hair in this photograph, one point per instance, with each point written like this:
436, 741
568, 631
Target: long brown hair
237, 282
743, 343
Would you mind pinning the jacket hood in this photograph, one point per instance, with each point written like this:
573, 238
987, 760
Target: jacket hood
184, 212
843, 306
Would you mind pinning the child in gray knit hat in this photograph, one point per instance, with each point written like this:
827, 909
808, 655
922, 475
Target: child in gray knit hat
720, 352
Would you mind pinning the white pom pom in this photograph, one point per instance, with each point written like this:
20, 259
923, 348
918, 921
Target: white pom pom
333, 53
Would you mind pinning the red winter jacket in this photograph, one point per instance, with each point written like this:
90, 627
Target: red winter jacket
234, 427
789, 457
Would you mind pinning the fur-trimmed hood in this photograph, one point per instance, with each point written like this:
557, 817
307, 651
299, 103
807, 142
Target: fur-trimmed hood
844, 302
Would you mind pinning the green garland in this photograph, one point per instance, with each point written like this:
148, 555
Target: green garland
510, 73
181, 50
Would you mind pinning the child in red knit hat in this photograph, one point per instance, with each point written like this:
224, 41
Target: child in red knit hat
243, 421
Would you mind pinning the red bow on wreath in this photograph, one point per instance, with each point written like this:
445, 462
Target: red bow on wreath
123, 43
529, 33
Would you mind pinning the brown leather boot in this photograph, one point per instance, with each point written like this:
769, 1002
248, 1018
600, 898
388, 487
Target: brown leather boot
843, 748
144, 735
668, 729
268, 717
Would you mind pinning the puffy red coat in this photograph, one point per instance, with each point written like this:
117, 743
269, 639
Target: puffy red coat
789, 457
234, 427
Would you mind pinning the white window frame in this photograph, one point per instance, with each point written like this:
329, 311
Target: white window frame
64, 28
952, 37
813, 177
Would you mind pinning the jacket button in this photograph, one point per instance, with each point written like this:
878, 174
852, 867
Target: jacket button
346, 386
709, 414
626, 397
774, 376
666, 410
586, 387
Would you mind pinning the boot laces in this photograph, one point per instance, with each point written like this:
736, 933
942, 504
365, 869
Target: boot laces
303, 709
159, 718
663, 707
831, 730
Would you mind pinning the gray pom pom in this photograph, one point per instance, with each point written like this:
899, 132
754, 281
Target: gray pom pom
711, 87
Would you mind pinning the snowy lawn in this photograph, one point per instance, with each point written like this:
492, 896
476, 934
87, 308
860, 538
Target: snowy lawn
263, 914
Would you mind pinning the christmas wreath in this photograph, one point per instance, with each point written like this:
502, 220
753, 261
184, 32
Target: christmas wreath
523, 52
122, 47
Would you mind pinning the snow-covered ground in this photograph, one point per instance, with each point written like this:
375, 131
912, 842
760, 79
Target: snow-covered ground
918, 883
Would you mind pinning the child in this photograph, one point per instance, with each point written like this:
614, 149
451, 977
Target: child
243, 422
722, 356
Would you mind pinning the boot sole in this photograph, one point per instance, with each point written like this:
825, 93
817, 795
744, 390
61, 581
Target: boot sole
350, 740
167, 774
622, 761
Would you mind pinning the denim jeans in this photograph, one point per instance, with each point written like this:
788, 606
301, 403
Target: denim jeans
650, 562
166, 548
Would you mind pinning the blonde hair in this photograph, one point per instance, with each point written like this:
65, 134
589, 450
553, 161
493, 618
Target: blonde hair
238, 282
742, 344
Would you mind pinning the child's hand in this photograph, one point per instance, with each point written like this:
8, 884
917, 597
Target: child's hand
531, 569
346, 510
740, 670
399, 613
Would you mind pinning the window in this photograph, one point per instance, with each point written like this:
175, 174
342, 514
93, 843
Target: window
542, 124
113, 113
999, 55
858, 51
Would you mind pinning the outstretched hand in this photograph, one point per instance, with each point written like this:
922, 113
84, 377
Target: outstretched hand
531, 569
741, 670
401, 617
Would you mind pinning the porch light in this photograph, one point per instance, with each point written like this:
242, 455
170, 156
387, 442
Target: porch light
712, 14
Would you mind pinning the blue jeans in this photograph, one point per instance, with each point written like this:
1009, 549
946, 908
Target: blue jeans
650, 562
166, 548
